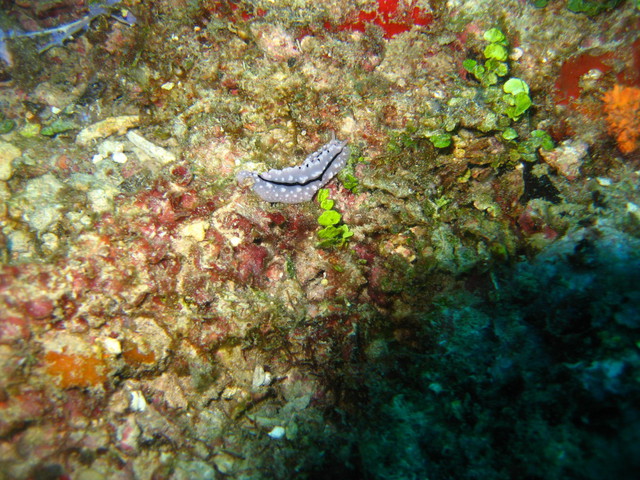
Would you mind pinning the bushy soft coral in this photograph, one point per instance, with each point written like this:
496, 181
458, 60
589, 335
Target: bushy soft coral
622, 106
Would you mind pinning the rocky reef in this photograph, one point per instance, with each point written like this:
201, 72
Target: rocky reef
460, 301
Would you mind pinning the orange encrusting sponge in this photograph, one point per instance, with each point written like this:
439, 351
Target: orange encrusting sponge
75, 370
622, 106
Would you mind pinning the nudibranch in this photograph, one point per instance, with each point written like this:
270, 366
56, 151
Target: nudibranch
300, 183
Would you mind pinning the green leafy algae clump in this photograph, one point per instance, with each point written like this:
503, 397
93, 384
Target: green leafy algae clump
507, 97
516, 97
58, 126
591, 7
538, 139
350, 182
6, 124
495, 65
332, 235
440, 140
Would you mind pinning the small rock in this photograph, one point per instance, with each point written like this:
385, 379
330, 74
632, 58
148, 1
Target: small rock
193, 470
50, 243
37, 203
160, 154
110, 148
8, 153
112, 345
261, 378
20, 244
566, 158
43, 218
195, 230
224, 463
101, 199
604, 182
147, 344
53, 95
127, 435
89, 474
138, 402
107, 127
275, 41
277, 433
634, 212
167, 386
5, 195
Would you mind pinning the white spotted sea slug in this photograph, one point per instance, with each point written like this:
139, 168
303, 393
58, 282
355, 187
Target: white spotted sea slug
300, 183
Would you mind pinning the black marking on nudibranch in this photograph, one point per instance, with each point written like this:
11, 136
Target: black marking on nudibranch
300, 183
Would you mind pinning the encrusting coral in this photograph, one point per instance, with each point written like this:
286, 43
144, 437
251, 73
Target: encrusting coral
622, 106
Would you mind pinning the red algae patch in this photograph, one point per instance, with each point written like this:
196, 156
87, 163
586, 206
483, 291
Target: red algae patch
75, 370
390, 16
568, 83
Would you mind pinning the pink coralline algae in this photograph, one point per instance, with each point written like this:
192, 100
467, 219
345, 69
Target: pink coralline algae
12, 329
39, 308
251, 261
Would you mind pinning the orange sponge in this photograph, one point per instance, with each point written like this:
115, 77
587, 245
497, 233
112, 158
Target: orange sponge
622, 106
75, 370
